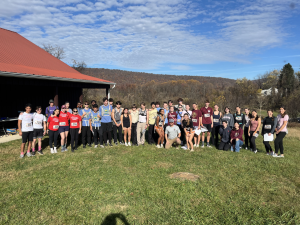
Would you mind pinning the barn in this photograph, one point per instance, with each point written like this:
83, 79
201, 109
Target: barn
28, 74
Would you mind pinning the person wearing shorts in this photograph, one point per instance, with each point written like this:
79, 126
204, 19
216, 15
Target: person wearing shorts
106, 121
86, 133
207, 118
126, 124
172, 135
52, 130
75, 129
188, 127
95, 126
196, 119
26, 130
64, 127
159, 128
39, 129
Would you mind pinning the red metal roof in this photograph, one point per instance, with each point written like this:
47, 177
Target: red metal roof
19, 55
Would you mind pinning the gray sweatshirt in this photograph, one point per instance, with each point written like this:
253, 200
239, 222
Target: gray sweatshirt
225, 134
229, 118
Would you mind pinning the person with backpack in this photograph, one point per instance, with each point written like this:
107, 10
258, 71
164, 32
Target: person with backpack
207, 122
39, 129
180, 100
95, 126
151, 123
159, 128
246, 128
106, 121
75, 128
142, 124
217, 116
281, 131
126, 124
52, 130
253, 130
49, 110
86, 133
268, 127
64, 127
117, 125
239, 117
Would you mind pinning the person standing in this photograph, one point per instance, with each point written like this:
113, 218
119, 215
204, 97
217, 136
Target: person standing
268, 127
26, 130
228, 117
239, 117
172, 115
225, 132
85, 129
180, 117
187, 125
142, 124
95, 126
49, 110
134, 121
196, 118
52, 130
79, 107
106, 121
180, 100
170, 103
187, 110
166, 111
39, 129
236, 137
117, 125
253, 130
207, 118
281, 131
157, 106
217, 116
246, 128
67, 104
172, 135
126, 124
75, 129
159, 128
63, 127
151, 123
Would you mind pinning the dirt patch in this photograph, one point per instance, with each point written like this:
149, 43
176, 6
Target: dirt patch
164, 165
185, 176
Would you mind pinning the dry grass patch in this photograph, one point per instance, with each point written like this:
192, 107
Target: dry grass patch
185, 176
294, 132
164, 165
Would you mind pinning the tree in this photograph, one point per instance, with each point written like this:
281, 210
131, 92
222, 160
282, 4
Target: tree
287, 80
261, 100
56, 51
79, 66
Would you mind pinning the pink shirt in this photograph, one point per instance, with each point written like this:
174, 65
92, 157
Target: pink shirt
281, 121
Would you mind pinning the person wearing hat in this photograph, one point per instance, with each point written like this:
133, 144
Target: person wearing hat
172, 135
224, 132
50, 108
64, 127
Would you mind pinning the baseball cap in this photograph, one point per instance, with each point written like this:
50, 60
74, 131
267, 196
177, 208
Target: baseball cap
63, 106
171, 121
51, 101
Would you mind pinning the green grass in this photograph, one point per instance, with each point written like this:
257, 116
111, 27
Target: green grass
133, 183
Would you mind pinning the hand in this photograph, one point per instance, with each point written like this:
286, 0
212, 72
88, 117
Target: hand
248, 134
254, 133
277, 132
231, 141
79, 131
44, 133
178, 139
270, 134
129, 128
47, 131
237, 139
202, 125
167, 141
20, 133
91, 129
118, 124
98, 116
146, 126
212, 125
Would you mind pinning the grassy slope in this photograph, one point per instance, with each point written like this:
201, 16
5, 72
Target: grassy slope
85, 187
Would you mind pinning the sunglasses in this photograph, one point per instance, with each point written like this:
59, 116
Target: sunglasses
75, 111
39, 110
86, 104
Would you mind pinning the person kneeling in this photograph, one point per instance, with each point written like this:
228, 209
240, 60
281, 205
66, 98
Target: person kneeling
236, 137
172, 135
224, 131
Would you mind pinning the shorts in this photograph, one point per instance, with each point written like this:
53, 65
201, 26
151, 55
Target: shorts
190, 132
159, 129
63, 129
27, 136
208, 127
38, 133
107, 127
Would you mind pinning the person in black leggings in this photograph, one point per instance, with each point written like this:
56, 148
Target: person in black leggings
246, 128
75, 128
268, 127
217, 115
52, 130
281, 131
253, 130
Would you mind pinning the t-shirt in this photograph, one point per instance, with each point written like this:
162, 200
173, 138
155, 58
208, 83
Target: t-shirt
281, 121
173, 116
95, 119
53, 123
166, 115
63, 119
195, 117
188, 112
69, 111
38, 121
172, 132
188, 127
74, 121
26, 122
206, 115
105, 113
142, 116
50, 109
152, 116
134, 116
87, 116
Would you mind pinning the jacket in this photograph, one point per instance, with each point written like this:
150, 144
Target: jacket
225, 134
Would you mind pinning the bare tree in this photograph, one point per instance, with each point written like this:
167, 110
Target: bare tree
261, 101
56, 51
79, 66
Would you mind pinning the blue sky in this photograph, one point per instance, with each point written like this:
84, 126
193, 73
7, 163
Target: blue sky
231, 39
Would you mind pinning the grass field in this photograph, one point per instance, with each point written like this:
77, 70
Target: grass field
133, 184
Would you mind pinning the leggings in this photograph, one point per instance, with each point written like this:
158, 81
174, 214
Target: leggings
247, 137
151, 134
74, 137
98, 133
215, 135
53, 135
279, 142
133, 133
252, 140
117, 133
86, 135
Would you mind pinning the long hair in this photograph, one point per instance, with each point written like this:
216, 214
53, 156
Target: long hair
256, 118
283, 115
188, 121
123, 113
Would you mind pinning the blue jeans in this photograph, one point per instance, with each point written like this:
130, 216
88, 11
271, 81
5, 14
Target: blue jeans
238, 144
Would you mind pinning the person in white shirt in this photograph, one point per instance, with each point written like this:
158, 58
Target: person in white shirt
26, 129
39, 129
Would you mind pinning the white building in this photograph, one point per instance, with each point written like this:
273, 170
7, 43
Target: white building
268, 92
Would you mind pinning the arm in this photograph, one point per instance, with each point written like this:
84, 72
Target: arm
283, 126
90, 122
130, 121
45, 127
166, 137
79, 127
243, 120
274, 125
19, 127
200, 122
179, 134
147, 123
113, 116
212, 121
122, 121
156, 122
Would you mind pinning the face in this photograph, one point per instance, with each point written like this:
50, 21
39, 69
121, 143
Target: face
39, 110
79, 105
216, 108
125, 110
227, 110
165, 105
118, 106
270, 113
157, 106
93, 103
224, 124
105, 102
95, 109
187, 107
153, 106
282, 111
171, 109
143, 107
161, 112
186, 117
194, 106
51, 104
254, 114
180, 108
86, 105
133, 109
170, 103
111, 103
180, 103
75, 112
171, 123
206, 104
63, 110
56, 112
67, 105
247, 111
28, 109
237, 126
237, 109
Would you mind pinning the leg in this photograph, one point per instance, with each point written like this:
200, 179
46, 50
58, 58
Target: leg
120, 133
221, 145
133, 133
138, 133
144, 134
39, 144
51, 138
279, 142
129, 135
83, 134
267, 146
169, 143
226, 147
66, 138
125, 134
33, 144
217, 128
72, 133
76, 137
62, 138
105, 133
109, 133
246, 136
115, 133
253, 138
213, 134
55, 138
190, 140
208, 137
95, 135
89, 135
250, 137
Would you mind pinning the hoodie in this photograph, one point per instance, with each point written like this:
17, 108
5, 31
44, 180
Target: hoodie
225, 134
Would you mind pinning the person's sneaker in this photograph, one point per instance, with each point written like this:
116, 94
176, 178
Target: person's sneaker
280, 156
255, 151
157, 146
65, 149
271, 153
110, 145
62, 147
161, 146
72, 150
95, 146
40, 152
62, 150
275, 156
83, 146
195, 145
251, 149
121, 143
107, 142
129, 144
208, 146
51, 150
33, 153
28, 154
268, 153
105, 145
192, 150
116, 143
21, 156
90, 145
246, 148
177, 147
54, 150
126, 144
202, 146
101, 146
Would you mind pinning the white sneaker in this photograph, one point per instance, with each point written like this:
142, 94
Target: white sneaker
192, 150
281, 156
275, 156
158, 146
246, 148
197, 146
101, 146
129, 144
95, 146
161, 146
126, 144
255, 151
51, 150
55, 150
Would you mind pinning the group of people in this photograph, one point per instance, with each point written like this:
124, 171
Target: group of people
167, 126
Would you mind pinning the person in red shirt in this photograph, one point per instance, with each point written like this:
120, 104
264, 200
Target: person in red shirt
236, 137
75, 128
172, 115
63, 127
52, 130
196, 118
207, 118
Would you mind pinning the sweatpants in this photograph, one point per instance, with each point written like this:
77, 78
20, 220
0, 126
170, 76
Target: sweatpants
224, 146
133, 133
279, 142
247, 137
86, 135
252, 140
107, 128
151, 134
74, 137
215, 135
53, 135
140, 136
117, 133
98, 134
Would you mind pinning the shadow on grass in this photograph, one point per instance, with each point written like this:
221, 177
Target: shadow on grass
111, 219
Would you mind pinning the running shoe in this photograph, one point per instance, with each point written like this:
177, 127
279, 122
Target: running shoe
208, 146
28, 154
129, 144
21, 156
126, 144
33, 153
202, 146
255, 151
101, 146
95, 146
281, 156
271, 153
192, 150
55, 150
110, 145
116, 143
275, 156
65, 149
121, 143
161, 146
197, 146
62, 150
40, 152
72, 150
105, 145
246, 148
158, 146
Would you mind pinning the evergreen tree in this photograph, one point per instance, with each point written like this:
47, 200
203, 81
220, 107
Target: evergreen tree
286, 80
